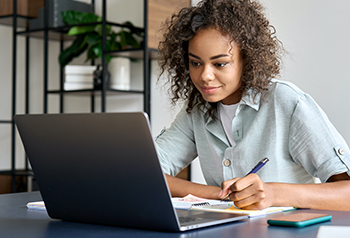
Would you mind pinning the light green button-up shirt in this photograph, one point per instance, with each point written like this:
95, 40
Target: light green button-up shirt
288, 127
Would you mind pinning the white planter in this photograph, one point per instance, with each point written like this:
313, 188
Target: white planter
119, 69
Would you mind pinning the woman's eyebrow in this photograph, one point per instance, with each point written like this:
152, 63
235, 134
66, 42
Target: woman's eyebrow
218, 56
211, 58
194, 56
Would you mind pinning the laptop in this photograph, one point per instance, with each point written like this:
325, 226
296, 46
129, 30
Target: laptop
102, 168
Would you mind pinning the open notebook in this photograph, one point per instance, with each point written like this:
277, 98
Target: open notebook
191, 202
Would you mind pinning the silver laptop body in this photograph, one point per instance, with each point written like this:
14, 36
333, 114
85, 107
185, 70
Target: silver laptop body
102, 168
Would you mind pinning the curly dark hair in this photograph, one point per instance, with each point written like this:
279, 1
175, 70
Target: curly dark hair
244, 22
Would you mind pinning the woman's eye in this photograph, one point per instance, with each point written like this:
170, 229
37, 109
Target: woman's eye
219, 65
194, 63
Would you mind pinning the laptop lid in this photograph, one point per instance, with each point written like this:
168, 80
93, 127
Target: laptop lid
102, 168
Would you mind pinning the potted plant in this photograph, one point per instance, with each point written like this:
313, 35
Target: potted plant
89, 37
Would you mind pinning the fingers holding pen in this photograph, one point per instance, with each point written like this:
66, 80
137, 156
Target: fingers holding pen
237, 187
226, 188
249, 192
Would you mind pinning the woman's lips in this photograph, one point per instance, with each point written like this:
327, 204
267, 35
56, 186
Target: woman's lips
209, 90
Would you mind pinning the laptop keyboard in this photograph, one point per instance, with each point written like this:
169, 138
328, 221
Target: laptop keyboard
188, 219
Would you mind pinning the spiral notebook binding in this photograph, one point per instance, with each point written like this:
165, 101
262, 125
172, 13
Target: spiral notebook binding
201, 204
198, 204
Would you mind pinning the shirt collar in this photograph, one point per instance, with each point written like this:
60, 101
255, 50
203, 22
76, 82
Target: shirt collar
217, 129
251, 101
248, 99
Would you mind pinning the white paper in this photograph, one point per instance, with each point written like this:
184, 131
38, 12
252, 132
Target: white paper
333, 231
40, 205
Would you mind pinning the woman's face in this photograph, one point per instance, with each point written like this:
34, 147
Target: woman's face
215, 66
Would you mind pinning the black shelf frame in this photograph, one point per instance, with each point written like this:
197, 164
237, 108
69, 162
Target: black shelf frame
59, 34
16, 21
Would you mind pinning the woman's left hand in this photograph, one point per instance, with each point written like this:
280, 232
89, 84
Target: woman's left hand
249, 193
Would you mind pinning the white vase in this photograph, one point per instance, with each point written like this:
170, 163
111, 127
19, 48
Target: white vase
119, 69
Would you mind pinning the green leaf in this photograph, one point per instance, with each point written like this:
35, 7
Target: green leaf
77, 30
133, 30
91, 54
75, 17
128, 23
108, 29
96, 52
108, 58
90, 37
127, 39
97, 49
78, 46
93, 38
112, 43
122, 38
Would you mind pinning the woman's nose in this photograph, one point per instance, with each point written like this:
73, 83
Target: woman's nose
207, 74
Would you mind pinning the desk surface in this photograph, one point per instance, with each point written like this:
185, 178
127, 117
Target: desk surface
17, 221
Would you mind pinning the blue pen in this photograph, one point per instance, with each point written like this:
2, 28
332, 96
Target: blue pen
254, 170
259, 166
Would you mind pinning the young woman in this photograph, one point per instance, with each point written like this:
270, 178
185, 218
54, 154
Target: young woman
222, 58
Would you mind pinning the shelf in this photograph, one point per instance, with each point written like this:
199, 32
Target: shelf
95, 92
17, 172
134, 53
22, 21
53, 34
60, 33
66, 28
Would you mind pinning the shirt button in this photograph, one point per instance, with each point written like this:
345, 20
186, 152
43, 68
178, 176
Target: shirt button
341, 151
227, 162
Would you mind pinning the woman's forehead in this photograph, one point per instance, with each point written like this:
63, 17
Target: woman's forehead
211, 39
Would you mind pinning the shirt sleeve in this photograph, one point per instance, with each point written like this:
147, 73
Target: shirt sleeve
315, 143
176, 145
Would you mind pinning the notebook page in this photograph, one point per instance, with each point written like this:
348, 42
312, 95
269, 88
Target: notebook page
192, 201
228, 208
